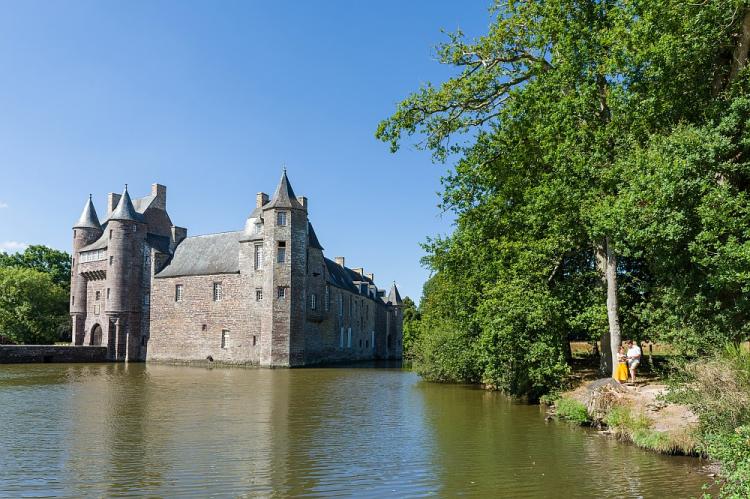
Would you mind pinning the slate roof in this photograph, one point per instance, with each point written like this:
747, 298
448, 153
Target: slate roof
394, 296
88, 218
205, 255
312, 238
284, 196
338, 276
125, 209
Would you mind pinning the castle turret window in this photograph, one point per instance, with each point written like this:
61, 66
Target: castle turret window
281, 252
281, 292
281, 218
218, 293
107, 293
258, 294
178, 292
224, 338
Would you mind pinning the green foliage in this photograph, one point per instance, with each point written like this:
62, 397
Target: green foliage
717, 389
411, 325
733, 451
33, 308
572, 124
571, 410
44, 259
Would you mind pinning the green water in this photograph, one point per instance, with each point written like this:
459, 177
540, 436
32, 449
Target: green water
154, 430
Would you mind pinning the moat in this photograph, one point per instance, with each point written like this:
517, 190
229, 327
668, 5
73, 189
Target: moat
121, 430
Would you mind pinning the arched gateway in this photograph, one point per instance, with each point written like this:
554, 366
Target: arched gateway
96, 335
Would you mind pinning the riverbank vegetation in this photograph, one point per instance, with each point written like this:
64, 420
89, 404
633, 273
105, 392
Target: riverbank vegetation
34, 291
600, 181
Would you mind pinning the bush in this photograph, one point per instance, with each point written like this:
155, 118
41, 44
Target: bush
571, 410
717, 389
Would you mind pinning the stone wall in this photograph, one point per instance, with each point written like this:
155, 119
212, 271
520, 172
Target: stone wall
191, 329
23, 354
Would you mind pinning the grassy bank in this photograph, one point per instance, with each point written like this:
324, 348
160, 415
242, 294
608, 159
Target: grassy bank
632, 425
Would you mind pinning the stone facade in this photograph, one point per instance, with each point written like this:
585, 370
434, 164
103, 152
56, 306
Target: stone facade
265, 295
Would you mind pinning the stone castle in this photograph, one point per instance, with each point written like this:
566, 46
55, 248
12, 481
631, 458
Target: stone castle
263, 295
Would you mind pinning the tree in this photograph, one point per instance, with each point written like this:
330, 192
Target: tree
44, 259
32, 307
547, 121
411, 324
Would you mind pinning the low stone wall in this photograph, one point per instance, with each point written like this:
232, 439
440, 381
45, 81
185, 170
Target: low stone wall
25, 354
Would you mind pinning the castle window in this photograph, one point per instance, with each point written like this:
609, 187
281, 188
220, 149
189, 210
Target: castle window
258, 259
204, 327
178, 292
98, 295
74, 234
135, 228
258, 227
341, 339
255, 340
111, 259
281, 252
258, 294
360, 343
281, 218
372, 336
107, 293
349, 338
224, 339
218, 294
313, 301
146, 299
73, 300
367, 343
281, 292
341, 304
110, 233
327, 299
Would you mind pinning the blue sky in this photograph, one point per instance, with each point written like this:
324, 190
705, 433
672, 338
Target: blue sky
210, 99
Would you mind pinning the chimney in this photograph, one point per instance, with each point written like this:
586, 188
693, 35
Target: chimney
112, 199
160, 193
360, 271
303, 201
178, 235
260, 199
339, 261
370, 276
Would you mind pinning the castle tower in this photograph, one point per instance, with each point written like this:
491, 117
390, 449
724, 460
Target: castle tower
395, 332
285, 250
85, 231
126, 237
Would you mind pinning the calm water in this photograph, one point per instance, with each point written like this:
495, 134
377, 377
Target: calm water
124, 430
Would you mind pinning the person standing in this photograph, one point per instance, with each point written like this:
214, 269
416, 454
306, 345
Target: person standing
634, 359
621, 374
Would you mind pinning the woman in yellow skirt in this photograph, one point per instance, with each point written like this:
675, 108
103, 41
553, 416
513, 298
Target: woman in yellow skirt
621, 374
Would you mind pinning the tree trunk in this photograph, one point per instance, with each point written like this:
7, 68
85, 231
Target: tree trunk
612, 309
605, 360
739, 57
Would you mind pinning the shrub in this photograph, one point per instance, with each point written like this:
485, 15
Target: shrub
571, 410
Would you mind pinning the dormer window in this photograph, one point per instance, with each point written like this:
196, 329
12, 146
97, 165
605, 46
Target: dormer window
257, 228
281, 218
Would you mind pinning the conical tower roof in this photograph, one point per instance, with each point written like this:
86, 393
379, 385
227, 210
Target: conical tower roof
125, 209
394, 296
312, 238
284, 196
88, 218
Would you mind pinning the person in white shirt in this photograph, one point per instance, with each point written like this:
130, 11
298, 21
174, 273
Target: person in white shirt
634, 359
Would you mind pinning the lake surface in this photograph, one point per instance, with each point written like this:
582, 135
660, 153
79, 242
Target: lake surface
156, 430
